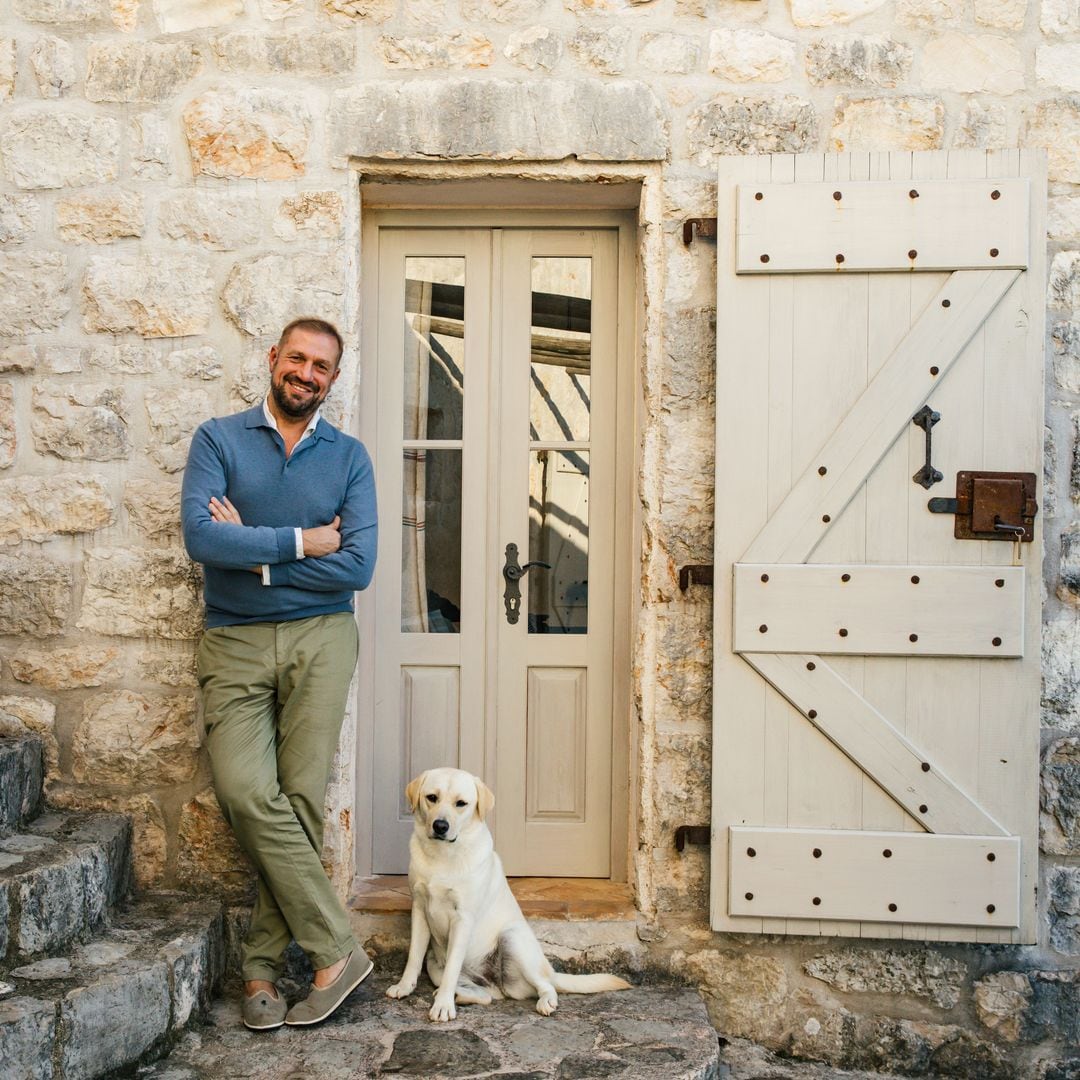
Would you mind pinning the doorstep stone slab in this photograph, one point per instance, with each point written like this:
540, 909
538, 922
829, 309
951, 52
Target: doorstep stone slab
638, 1034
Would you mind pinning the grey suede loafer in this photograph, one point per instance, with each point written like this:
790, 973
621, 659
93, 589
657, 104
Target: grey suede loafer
263, 1012
319, 1004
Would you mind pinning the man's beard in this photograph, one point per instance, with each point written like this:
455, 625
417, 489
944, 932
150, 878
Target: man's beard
298, 411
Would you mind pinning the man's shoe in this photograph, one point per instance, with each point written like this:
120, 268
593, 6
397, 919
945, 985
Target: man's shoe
320, 1003
263, 1012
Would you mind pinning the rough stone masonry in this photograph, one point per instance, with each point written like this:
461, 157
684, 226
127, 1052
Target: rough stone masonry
174, 177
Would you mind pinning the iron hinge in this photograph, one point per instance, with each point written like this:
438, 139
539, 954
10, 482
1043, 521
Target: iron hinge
695, 575
692, 834
706, 228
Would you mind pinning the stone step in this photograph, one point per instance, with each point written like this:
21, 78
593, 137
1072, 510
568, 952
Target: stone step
743, 1060
648, 1033
60, 877
22, 774
116, 1001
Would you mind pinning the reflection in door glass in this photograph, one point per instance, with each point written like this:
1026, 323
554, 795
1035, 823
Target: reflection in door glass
561, 348
434, 346
559, 535
431, 542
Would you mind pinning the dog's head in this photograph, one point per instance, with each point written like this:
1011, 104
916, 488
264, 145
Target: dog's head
446, 801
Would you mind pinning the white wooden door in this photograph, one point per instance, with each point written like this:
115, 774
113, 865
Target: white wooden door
876, 679
496, 425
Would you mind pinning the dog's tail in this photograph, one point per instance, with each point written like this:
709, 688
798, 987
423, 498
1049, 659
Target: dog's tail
587, 984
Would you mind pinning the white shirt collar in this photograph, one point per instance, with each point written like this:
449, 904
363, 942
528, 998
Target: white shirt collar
270, 419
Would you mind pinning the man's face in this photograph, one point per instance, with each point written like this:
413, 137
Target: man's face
302, 370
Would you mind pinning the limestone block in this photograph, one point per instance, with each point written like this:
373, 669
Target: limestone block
345, 12
33, 292
67, 668
203, 363
34, 359
1055, 124
669, 54
169, 669
930, 14
534, 47
260, 293
99, 218
744, 991
1065, 342
1063, 288
125, 14
209, 854
830, 12
252, 379
318, 214
505, 11
973, 64
1001, 1001
750, 56
153, 295
482, 118
126, 359
1063, 217
248, 133
903, 123
1059, 17
982, 125
87, 422
68, 13
1055, 1007
1059, 798
175, 16
127, 738
299, 53
275, 10
52, 150
922, 973
1058, 66
153, 508
8, 429
731, 124
173, 416
39, 508
139, 71
858, 61
221, 221
150, 147
22, 715
1061, 670
1003, 14
18, 217
53, 61
8, 69
133, 593
1064, 909
604, 49
453, 50
27, 1035
35, 595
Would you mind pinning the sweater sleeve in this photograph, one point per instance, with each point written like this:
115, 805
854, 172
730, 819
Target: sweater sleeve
217, 543
352, 565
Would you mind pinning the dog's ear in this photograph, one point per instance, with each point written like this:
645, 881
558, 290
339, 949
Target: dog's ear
412, 790
485, 798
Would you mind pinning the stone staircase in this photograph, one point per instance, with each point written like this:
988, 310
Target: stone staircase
93, 981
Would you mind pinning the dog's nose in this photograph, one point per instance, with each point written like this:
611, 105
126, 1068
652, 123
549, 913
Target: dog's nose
440, 826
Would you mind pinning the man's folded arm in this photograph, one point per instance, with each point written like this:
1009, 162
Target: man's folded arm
222, 544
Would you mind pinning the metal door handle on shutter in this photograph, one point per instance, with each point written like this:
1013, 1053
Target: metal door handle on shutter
513, 572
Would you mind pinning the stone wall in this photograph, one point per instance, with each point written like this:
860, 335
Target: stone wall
175, 179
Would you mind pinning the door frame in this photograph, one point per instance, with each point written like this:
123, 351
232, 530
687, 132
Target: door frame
627, 540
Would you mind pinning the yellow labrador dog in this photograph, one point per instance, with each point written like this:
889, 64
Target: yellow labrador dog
481, 946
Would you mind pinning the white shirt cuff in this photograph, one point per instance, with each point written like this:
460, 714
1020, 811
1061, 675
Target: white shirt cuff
266, 574
299, 544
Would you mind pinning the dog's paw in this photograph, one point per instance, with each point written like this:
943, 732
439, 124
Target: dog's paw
442, 1010
546, 1004
400, 989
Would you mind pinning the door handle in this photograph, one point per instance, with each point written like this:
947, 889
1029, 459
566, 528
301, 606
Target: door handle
513, 572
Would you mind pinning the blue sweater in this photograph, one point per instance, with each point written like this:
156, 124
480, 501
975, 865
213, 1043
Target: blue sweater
328, 474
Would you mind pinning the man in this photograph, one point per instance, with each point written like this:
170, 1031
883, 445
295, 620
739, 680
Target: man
279, 507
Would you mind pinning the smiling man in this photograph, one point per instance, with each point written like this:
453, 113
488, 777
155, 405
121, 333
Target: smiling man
279, 507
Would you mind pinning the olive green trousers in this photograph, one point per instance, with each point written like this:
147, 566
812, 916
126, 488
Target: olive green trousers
273, 698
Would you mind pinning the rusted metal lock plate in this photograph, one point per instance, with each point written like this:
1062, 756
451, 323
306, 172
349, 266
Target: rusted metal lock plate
987, 500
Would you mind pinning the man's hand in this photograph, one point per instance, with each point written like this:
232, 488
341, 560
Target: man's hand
324, 540
223, 510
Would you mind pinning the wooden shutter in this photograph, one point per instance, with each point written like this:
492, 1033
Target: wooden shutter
876, 681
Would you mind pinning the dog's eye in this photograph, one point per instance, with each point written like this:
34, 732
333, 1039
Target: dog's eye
461, 802
432, 798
